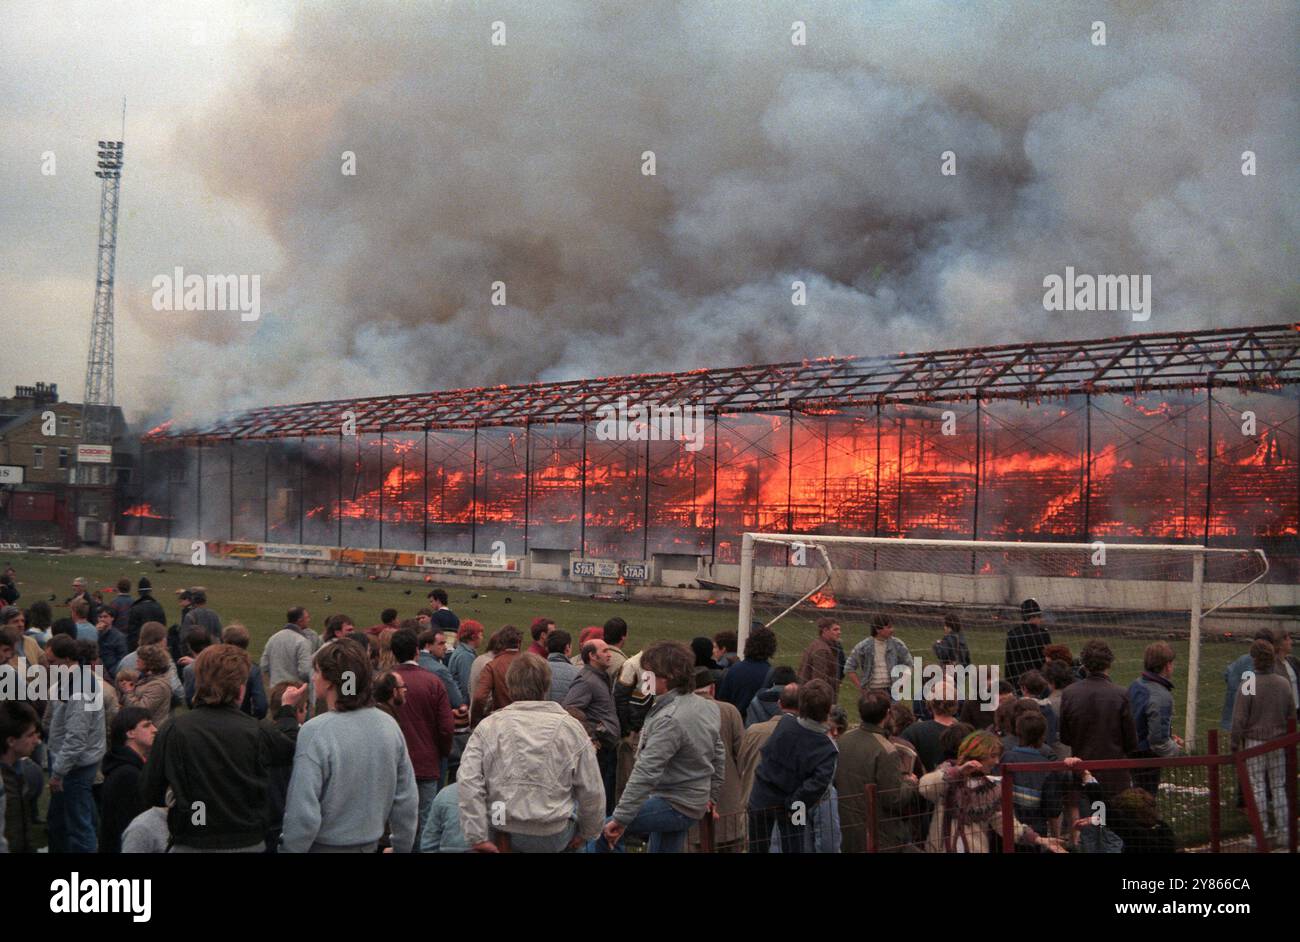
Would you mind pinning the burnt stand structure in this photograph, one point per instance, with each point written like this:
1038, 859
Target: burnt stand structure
1161, 438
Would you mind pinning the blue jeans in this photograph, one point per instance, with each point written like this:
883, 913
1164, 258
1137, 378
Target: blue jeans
664, 826
428, 790
72, 813
548, 844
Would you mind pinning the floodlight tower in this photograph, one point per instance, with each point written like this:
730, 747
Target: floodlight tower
97, 406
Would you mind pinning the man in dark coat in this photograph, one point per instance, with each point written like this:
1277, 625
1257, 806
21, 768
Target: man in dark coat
867, 757
130, 741
143, 609
220, 756
794, 774
1025, 643
200, 616
1096, 717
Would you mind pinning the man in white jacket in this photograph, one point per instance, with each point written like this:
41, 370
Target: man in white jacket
529, 771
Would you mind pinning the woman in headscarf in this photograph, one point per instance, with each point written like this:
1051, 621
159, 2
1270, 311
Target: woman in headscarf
968, 803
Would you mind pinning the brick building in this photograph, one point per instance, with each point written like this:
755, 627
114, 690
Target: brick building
44, 500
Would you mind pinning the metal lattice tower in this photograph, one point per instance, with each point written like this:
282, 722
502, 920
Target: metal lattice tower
97, 406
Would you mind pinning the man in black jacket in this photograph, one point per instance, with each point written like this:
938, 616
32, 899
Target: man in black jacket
20, 733
143, 609
1025, 643
1096, 718
217, 761
130, 740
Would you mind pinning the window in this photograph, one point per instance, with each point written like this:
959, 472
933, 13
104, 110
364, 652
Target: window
38, 457
64, 422
63, 458
77, 427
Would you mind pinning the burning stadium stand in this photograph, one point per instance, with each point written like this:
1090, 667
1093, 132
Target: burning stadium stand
1176, 437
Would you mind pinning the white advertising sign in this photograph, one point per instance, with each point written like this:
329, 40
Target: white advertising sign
472, 561
94, 454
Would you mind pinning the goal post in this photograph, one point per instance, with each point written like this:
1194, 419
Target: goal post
1128, 594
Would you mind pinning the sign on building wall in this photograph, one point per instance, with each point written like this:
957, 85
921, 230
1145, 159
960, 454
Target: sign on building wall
486, 562
287, 551
94, 454
11, 474
609, 569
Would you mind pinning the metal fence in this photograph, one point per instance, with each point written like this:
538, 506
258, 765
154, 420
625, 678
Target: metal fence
1203, 806
1212, 803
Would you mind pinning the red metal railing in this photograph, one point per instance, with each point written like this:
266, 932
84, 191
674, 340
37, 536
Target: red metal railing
1210, 762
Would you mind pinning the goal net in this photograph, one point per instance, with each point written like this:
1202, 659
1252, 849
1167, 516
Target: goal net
1128, 595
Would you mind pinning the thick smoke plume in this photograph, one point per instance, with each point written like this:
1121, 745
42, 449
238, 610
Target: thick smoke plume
522, 164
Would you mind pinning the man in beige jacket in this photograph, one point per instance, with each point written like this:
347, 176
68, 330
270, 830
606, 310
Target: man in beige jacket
731, 824
756, 737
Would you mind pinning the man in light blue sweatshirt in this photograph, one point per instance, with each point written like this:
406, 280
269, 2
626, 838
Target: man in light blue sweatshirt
351, 772
443, 833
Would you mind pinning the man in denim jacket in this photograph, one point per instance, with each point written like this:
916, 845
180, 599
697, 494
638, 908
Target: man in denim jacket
863, 667
1152, 700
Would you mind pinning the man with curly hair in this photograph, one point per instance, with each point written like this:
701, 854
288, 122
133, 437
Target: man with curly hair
746, 678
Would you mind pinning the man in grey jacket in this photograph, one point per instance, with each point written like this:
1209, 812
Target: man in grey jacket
351, 771
287, 656
563, 673
680, 763
77, 744
591, 694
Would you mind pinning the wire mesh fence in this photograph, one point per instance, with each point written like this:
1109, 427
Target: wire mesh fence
1216, 802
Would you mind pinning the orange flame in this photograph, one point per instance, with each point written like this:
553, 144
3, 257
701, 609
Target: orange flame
822, 599
836, 471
